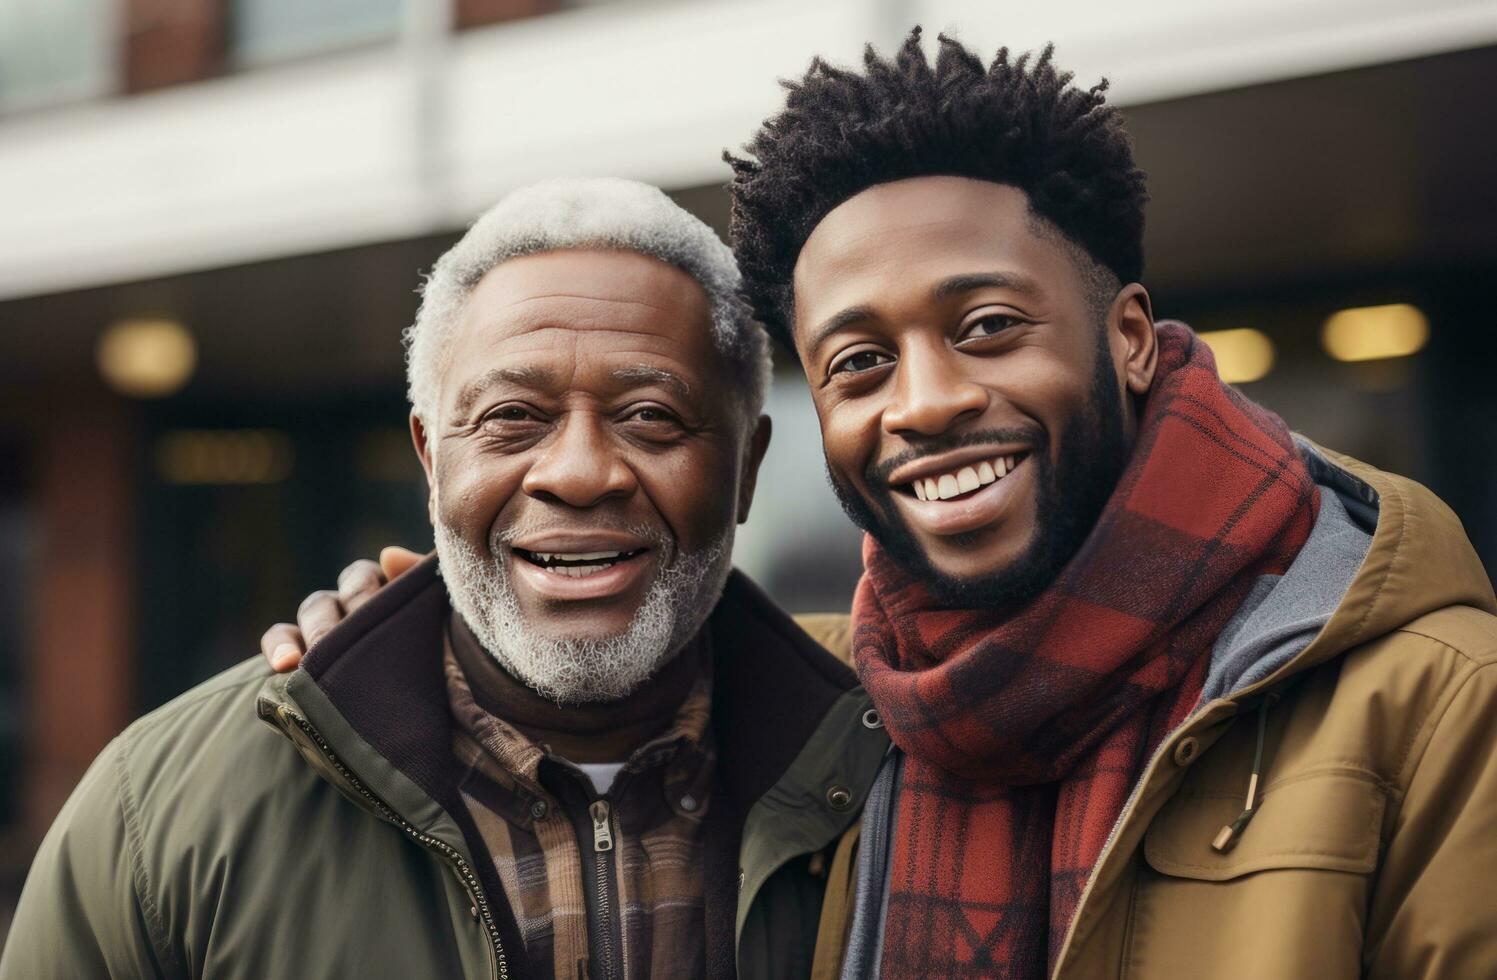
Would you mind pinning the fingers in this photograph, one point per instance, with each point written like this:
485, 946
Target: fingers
282, 646
358, 582
319, 612
396, 561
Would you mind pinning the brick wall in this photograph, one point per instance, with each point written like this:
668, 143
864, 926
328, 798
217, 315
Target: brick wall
169, 42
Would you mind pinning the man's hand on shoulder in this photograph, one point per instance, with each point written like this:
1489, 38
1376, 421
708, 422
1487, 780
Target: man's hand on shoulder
283, 644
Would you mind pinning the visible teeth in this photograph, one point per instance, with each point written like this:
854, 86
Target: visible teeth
576, 564
575, 571
577, 555
964, 480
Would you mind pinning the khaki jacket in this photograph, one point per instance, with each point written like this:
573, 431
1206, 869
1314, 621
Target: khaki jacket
1373, 851
1375, 845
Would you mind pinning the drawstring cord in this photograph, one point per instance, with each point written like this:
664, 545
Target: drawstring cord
1227, 838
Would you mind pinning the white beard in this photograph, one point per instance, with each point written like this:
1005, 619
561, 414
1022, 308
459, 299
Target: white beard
576, 669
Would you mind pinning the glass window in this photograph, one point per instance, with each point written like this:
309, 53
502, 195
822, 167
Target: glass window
17, 565
262, 31
54, 51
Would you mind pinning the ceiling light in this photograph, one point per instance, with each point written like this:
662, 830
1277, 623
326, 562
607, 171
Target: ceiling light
1370, 333
147, 358
1241, 355
224, 456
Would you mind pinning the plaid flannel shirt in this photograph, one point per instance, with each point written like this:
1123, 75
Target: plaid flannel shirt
530, 807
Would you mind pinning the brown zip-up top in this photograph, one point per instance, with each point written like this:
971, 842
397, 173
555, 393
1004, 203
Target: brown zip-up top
608, 885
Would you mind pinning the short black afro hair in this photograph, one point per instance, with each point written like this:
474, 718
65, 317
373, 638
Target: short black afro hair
1017, 122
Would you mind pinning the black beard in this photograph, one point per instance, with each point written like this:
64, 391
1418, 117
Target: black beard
1073, 488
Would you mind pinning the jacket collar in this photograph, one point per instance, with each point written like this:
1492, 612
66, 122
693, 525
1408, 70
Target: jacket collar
772, 685
381, 670
374, 689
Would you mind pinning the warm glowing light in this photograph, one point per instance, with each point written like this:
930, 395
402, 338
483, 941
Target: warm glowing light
385, 456
147, 358
1370, 333
219, 456
1241, 355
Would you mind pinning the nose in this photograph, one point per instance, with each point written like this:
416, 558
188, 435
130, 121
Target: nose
930, 394
581, 466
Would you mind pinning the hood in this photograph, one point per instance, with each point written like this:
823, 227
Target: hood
1418, 560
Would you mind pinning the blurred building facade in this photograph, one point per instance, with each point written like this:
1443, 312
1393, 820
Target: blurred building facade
213, 215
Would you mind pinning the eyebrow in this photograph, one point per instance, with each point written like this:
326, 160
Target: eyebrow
635, 376
839, 321
957, 285
945, 289
525, 377
640, 375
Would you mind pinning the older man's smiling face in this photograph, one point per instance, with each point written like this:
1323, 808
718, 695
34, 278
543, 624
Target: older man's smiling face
586, 443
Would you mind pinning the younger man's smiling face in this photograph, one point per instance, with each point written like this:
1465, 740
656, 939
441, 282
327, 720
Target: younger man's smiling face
970, 368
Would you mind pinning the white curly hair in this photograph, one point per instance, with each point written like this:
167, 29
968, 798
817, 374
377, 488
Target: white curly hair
577, 213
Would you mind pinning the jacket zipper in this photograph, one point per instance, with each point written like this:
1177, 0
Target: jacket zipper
453, 858
1167, 745
1112, 836
601, 813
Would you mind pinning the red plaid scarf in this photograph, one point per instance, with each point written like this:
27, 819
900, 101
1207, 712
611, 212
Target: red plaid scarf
1025, 734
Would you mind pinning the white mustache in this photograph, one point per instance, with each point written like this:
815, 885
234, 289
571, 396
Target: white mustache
501, 538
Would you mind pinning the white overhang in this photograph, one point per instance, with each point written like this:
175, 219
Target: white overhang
418, 136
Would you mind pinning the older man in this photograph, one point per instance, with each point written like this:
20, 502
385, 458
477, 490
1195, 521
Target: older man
575, 743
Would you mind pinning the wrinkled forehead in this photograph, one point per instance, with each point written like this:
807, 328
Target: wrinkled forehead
577, 314
591, 287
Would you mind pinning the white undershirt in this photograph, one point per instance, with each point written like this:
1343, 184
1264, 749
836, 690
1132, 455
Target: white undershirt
602, 774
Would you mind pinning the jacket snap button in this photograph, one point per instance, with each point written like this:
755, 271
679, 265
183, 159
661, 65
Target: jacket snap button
839, 797
473, 911
1186, 751
538, 810
872, 720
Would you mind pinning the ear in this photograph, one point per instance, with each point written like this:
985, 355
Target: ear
753, 455
1135, 348
422, 440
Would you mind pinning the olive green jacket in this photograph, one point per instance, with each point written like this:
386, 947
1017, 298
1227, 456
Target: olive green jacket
330, 842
